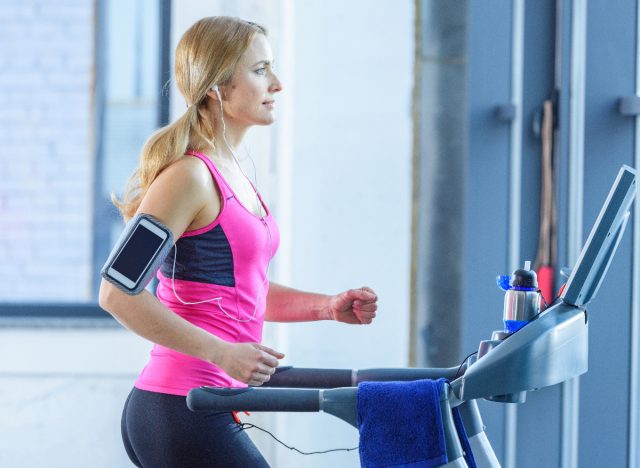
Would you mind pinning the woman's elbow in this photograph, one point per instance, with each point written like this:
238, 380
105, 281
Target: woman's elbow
107, 295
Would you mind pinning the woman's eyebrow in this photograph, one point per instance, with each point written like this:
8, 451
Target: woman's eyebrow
263, 62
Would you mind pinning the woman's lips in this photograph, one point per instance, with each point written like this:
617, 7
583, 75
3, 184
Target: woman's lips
269, 104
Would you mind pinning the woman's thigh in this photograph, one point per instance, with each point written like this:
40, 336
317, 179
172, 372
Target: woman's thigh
162, 432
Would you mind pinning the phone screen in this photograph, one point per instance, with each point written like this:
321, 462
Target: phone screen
138, 252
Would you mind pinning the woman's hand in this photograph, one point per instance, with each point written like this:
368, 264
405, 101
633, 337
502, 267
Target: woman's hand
251, 363
355, 306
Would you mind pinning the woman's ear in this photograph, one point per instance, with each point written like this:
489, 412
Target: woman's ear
214, 93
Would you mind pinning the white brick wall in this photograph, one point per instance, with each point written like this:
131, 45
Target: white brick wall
46, 155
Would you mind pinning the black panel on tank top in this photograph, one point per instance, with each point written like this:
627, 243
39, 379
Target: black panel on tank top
205, 258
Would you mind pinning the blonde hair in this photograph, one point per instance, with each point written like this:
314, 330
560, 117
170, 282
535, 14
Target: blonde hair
207, 54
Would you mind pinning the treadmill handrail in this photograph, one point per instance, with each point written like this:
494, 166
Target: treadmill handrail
302, 377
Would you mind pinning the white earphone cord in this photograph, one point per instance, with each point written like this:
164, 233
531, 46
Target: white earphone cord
260, 209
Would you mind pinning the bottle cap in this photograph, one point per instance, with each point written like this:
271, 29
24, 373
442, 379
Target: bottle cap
525, 279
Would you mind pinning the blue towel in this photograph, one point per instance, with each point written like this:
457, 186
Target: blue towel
400, 424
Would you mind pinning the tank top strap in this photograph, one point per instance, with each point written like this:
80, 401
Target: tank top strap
222, 184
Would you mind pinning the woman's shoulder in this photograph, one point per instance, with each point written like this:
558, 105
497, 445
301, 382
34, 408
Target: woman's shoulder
186, 177
187, 172
189, 167
179, 193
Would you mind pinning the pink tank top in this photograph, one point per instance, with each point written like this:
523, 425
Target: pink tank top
228, 259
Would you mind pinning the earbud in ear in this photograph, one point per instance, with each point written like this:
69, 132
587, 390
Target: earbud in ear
217, 91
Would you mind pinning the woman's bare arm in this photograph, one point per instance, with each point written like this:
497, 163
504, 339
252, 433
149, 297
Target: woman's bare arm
176, 198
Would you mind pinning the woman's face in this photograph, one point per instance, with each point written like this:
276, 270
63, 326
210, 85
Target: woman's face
249, 99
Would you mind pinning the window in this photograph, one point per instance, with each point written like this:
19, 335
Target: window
81, 91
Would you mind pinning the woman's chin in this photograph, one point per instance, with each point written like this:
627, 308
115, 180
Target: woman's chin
267, 120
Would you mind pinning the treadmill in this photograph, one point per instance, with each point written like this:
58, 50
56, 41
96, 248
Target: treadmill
550, 349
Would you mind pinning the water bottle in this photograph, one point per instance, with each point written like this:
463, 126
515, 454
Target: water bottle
521, 300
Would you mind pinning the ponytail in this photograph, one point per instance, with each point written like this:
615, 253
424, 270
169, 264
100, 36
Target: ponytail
163, 148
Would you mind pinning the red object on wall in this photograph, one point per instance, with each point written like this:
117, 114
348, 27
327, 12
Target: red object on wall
545, 284
546, 257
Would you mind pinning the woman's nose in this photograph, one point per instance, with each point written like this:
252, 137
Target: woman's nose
276, 85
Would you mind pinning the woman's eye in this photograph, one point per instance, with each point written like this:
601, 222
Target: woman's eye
261, 71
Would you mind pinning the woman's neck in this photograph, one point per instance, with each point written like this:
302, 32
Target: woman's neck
228, 135
230, 138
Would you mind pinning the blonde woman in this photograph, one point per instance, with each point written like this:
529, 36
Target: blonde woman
213, 293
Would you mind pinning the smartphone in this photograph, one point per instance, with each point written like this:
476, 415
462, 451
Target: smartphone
136, 254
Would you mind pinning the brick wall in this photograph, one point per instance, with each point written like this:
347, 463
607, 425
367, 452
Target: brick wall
46, 154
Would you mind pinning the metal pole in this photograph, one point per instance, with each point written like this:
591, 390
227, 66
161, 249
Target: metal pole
515, 186
634, 393
571, 388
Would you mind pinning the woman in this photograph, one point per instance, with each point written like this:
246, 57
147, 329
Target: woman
213, 293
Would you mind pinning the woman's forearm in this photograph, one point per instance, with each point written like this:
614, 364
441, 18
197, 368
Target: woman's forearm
291, 305
146, 316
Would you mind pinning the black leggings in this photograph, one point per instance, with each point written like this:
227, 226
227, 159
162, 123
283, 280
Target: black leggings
159, 430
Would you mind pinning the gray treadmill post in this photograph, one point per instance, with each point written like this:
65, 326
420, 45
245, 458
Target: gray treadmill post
471, 418
555, 347
453, 445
